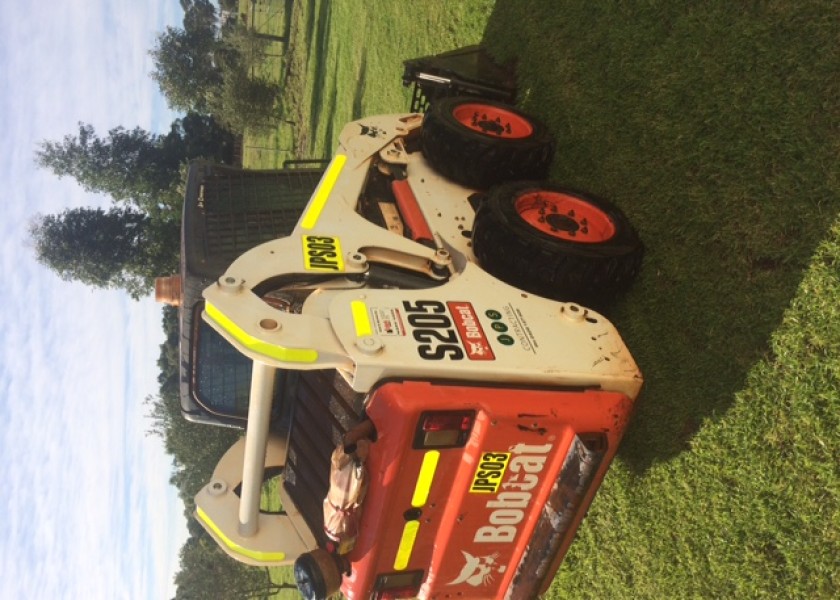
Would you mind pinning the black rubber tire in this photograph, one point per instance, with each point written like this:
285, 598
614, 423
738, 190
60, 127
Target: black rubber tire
518, 253
479, 159
317, 575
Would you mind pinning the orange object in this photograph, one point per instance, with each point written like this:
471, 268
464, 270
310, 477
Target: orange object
411, 213
503, 503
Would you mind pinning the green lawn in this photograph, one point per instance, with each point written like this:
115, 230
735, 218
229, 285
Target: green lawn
716, 127
345, 60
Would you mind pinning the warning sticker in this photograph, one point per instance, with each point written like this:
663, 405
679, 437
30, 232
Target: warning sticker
387, 321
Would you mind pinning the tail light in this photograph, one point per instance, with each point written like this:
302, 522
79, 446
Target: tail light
444, 429
391, 586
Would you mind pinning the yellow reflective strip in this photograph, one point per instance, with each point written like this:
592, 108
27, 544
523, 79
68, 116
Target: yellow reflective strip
323, 192
298, 355
360, 318
265, 557
424, 480
409, 536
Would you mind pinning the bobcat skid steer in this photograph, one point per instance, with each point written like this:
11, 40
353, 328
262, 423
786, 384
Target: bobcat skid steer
449, 404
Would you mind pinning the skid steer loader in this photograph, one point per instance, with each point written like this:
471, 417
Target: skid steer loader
444, 403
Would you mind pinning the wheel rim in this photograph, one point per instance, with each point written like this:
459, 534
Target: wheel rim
492, 121
565, 217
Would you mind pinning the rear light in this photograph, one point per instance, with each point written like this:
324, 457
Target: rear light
391, 586
444, 429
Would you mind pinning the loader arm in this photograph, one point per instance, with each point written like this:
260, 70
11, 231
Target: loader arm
314, 250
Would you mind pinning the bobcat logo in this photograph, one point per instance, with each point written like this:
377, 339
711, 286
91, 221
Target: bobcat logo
373, 132
478, 570
477, 348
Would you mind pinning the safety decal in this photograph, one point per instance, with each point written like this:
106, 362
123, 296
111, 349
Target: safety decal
322, 253
488, 475
387, 321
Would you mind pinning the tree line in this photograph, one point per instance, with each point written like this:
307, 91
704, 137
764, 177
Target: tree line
207, 70
136, 239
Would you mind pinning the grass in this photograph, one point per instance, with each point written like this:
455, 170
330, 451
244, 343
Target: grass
716, 127
750, 508
345, 60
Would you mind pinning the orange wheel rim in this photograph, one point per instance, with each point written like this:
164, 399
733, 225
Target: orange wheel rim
492, 121
565, 217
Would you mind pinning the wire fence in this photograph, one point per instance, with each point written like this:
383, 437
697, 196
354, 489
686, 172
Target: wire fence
271, 19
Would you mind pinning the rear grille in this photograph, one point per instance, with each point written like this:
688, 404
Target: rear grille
243, 209
564, 502
325, 409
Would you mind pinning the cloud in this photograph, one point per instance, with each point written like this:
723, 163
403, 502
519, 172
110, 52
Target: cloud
86, 511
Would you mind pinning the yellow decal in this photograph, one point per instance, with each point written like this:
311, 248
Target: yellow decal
322, 194
360, 318
424, 480
265, 557
322, 253
409, 536
297, 355
421, 495
488, 475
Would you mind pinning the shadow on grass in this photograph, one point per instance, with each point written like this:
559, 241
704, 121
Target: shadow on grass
312, 18
359, 94
720, 154
288, 7
320, 46
330, 135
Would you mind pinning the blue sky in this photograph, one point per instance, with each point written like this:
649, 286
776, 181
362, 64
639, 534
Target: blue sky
86, 509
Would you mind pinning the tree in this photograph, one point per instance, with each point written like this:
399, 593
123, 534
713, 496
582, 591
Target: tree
245, 99
185, 68
195, 449
200, 136
137, 166
247, 102
207, 573
198, 14
126, 165
203, 68
114, 248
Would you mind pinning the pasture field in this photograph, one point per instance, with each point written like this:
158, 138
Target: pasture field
716, 127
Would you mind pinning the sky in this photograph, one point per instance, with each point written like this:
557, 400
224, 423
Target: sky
86, 508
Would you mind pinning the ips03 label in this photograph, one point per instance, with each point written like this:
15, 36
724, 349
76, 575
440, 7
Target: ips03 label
488, 475
322, 253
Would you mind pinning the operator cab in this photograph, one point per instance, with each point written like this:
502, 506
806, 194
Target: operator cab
219, 380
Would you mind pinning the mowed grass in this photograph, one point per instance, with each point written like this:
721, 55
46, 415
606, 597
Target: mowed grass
716, 127
345, 60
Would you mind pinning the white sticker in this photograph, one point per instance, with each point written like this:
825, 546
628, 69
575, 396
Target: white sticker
387, 321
